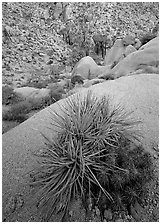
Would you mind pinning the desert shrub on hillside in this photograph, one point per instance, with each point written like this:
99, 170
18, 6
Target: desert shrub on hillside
93, 156
77, 79
38, 83
56, 94
76, 54
147, 37
9, 96
37, 104
18, 112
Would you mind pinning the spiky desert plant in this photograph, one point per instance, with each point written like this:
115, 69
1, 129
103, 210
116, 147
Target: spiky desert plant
89, 135
128, 187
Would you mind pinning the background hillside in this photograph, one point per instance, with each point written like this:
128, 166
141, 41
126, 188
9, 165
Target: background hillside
40, 39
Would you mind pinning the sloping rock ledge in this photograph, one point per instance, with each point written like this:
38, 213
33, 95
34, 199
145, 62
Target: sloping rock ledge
138, 93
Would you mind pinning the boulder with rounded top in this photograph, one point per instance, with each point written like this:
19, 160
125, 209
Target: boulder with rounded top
129, 49
86, 67
32, 93
116, 53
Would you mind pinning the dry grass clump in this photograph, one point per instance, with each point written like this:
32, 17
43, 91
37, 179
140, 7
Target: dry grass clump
94, 155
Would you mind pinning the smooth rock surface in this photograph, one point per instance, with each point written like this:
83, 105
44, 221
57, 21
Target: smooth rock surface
137, 93
88, 69
116, 53
147, 55
129, 49
32, 93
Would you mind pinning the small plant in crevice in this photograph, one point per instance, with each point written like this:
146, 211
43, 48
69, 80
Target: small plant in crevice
93, 155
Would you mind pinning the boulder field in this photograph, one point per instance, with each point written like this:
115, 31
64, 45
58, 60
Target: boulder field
121, 60
137, 93
147, 55
121, 48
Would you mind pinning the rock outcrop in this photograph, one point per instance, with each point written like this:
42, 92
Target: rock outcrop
116, 53
135, 93
88, 69
147, 55
122, 59
88, 83
32, 93
129, 49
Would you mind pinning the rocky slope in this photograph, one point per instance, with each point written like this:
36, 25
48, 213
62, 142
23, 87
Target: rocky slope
39, 39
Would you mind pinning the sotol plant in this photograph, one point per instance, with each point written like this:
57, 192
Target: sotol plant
93, 155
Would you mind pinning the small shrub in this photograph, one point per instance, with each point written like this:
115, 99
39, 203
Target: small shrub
18, 112
9, 96
147, 37
76, 54
56, 94
41, 103
94, 155
38, 83
77, 79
